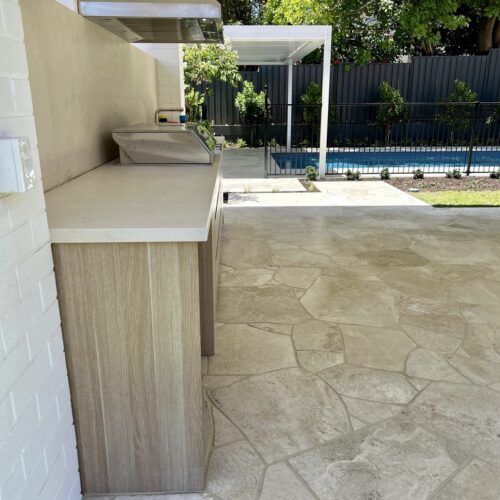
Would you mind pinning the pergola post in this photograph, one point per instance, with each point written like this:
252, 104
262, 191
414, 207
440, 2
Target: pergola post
289, 102
325, 101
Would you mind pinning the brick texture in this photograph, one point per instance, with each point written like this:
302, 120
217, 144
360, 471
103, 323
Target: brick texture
38, 457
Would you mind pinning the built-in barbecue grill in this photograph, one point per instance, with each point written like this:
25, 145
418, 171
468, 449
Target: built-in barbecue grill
169, 143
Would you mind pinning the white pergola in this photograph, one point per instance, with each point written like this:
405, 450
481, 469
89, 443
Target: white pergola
285, 45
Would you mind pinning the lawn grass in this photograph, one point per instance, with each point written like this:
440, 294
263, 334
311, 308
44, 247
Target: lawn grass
461, 198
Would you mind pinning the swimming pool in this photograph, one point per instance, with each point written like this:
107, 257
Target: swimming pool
396, 161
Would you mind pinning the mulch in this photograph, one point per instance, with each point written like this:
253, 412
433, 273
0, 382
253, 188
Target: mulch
434, 184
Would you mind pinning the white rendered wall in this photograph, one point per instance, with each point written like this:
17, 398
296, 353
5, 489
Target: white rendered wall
85, 82
71, 4
169, 70
38, 457
169, 73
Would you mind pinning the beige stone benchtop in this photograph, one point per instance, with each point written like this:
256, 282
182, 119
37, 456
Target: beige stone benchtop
135, 203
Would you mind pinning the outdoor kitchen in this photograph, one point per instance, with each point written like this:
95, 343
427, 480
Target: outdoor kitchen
134, 207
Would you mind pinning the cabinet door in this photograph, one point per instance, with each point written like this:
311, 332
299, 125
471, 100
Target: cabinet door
131, 328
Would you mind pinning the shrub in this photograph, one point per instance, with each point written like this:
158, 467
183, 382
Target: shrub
456, 115
351, 175
393, 110
311, 173
251, 105
454, 174
240, 143
311, 99
495, 174
418, 174
384, 174
495, 116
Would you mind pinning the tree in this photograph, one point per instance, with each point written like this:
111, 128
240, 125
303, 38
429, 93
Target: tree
203, 65
362, 31
384, 30
423, 22
251, 105
241, 11
311, 99
393, 110
489, 25
457, 113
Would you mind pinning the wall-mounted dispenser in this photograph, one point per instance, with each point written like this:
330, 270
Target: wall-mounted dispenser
17, 172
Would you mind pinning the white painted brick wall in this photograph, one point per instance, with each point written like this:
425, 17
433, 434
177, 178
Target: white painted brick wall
38, 457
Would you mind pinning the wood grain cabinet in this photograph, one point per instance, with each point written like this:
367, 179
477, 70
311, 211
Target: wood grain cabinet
136, 317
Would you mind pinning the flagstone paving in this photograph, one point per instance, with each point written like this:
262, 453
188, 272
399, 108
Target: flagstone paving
357, 355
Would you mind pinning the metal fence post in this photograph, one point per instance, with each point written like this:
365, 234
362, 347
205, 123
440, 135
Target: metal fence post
472, 134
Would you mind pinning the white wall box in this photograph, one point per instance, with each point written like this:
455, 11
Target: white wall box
17, 172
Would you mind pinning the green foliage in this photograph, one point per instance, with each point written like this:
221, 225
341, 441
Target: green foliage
427, 23
362, 31
393, 110
384, 30
385, 174
454, 174
495, 116
418, 173
351, 175
422, 20
311, 173
312, 99
241, 11
203, 65
495, 174
240, 143
458, 113
251, 105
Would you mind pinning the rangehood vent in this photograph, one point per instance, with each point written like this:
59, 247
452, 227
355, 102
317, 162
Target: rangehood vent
157, 21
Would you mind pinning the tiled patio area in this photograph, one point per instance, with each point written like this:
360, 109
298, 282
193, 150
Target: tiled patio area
358, 355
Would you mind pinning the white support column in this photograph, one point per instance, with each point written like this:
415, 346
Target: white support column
325, 101
289, 107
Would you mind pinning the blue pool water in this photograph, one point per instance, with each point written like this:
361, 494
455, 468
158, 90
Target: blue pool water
398, 160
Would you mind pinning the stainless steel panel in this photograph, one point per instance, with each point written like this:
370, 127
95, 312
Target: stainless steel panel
152, 144
157, 21
151, 8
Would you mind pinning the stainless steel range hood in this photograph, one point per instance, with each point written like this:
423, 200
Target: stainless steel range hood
157, 21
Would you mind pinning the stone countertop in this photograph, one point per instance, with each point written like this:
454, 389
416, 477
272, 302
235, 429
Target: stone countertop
135, 203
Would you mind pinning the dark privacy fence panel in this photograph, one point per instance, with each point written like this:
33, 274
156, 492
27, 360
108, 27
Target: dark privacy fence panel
425, 79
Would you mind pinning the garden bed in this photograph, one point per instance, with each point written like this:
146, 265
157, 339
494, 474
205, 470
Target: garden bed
436, 184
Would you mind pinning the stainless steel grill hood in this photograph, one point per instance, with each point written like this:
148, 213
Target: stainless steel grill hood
157, 21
